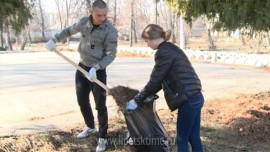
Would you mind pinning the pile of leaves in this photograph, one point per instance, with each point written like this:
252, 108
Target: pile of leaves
233, 124
245, 117
65, 140
122, 95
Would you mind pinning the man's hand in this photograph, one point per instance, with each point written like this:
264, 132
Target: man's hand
92, 74
131, 105
50, 45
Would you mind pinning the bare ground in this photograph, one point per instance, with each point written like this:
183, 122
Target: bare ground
233, 124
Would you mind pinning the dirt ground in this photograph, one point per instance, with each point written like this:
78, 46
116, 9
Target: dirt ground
233, 124
229, 124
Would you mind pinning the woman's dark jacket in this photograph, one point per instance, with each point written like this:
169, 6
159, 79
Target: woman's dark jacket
171, 64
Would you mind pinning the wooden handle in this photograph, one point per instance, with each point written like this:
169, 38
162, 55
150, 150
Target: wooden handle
81, 69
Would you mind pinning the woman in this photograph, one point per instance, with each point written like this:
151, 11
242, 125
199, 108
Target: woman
174, 73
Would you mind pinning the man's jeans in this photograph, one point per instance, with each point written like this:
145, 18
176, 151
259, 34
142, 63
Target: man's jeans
188, 124
83, 89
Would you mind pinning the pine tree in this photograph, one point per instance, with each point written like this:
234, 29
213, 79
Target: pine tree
249, 15
14, 14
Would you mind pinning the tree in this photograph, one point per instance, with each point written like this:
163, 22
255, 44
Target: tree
14, 14
8, 37
2, 38
89, 5
172, 19
59, 13
114, 12
67, 16
268, 38
25, 37
42, 19
174, 6
165, 13
156, 12
131, 23
252, 15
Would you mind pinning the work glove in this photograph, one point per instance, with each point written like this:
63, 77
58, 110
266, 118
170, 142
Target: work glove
131, 105
92, 74
50, 44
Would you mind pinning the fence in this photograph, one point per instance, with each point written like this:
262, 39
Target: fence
258, 60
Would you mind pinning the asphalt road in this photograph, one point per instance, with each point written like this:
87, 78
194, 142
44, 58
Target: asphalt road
37, 89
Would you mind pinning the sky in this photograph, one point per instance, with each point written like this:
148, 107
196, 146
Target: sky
49, 6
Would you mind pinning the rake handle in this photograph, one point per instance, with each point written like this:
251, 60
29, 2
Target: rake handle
81, 69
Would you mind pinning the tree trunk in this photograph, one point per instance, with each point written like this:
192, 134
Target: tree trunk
268, 39
24, 43
42, 21
8, 39
59, 13
156, 12
17, 39
2, 38
182, 34
173, 27
212, 45
24, 37
243, 40
29, 37
172, 18
131, 23
89, 5
177, 28
164, 14
67, 11
114, 12
135, 33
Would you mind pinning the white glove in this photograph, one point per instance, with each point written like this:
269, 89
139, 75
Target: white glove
50, 45
131, 105
92, 74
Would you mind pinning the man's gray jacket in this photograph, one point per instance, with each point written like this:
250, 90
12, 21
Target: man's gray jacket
97, 47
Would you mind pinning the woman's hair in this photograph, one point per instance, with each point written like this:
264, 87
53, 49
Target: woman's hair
153, 31
99, 3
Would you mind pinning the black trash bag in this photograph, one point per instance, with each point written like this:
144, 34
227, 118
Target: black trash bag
143, 123
146, 129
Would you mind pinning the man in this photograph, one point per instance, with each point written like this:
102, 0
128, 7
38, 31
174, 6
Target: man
97, 50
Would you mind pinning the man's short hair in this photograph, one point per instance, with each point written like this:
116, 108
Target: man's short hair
99, 3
